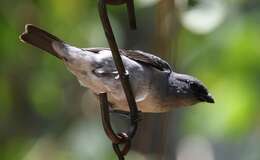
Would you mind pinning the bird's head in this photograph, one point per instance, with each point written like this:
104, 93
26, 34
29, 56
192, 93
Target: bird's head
189, 90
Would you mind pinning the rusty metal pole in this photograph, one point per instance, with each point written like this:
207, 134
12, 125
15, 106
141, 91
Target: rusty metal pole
124, 137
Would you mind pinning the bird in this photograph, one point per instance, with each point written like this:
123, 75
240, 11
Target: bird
156, 87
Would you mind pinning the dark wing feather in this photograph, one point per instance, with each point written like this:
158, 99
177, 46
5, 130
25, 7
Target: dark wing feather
147, 58
141, 57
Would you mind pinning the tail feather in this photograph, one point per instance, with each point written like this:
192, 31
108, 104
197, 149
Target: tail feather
41, 39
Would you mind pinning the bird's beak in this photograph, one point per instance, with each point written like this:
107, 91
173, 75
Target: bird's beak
208, 98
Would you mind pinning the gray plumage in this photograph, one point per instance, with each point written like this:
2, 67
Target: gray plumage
156, 87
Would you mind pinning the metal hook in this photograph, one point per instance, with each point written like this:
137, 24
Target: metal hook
120, 138
124, 137
130, 10
106, 119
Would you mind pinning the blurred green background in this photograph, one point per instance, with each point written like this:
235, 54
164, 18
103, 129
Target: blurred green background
46, 114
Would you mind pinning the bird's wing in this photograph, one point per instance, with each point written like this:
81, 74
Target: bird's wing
147, 58
139, 56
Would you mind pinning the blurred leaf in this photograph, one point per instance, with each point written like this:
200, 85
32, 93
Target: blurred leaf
46, 94
15, 149
5, 97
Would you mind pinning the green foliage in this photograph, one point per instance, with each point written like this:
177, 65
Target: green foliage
38, 96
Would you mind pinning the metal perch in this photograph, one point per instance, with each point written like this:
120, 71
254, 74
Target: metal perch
123, 137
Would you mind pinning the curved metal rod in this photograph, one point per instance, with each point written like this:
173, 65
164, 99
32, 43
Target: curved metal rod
118, 152
121, 153
115, 138
115, 2
124, 77
106, 119
131, 13
130, 10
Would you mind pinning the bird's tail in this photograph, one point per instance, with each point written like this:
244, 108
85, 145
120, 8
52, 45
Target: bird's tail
41, 39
